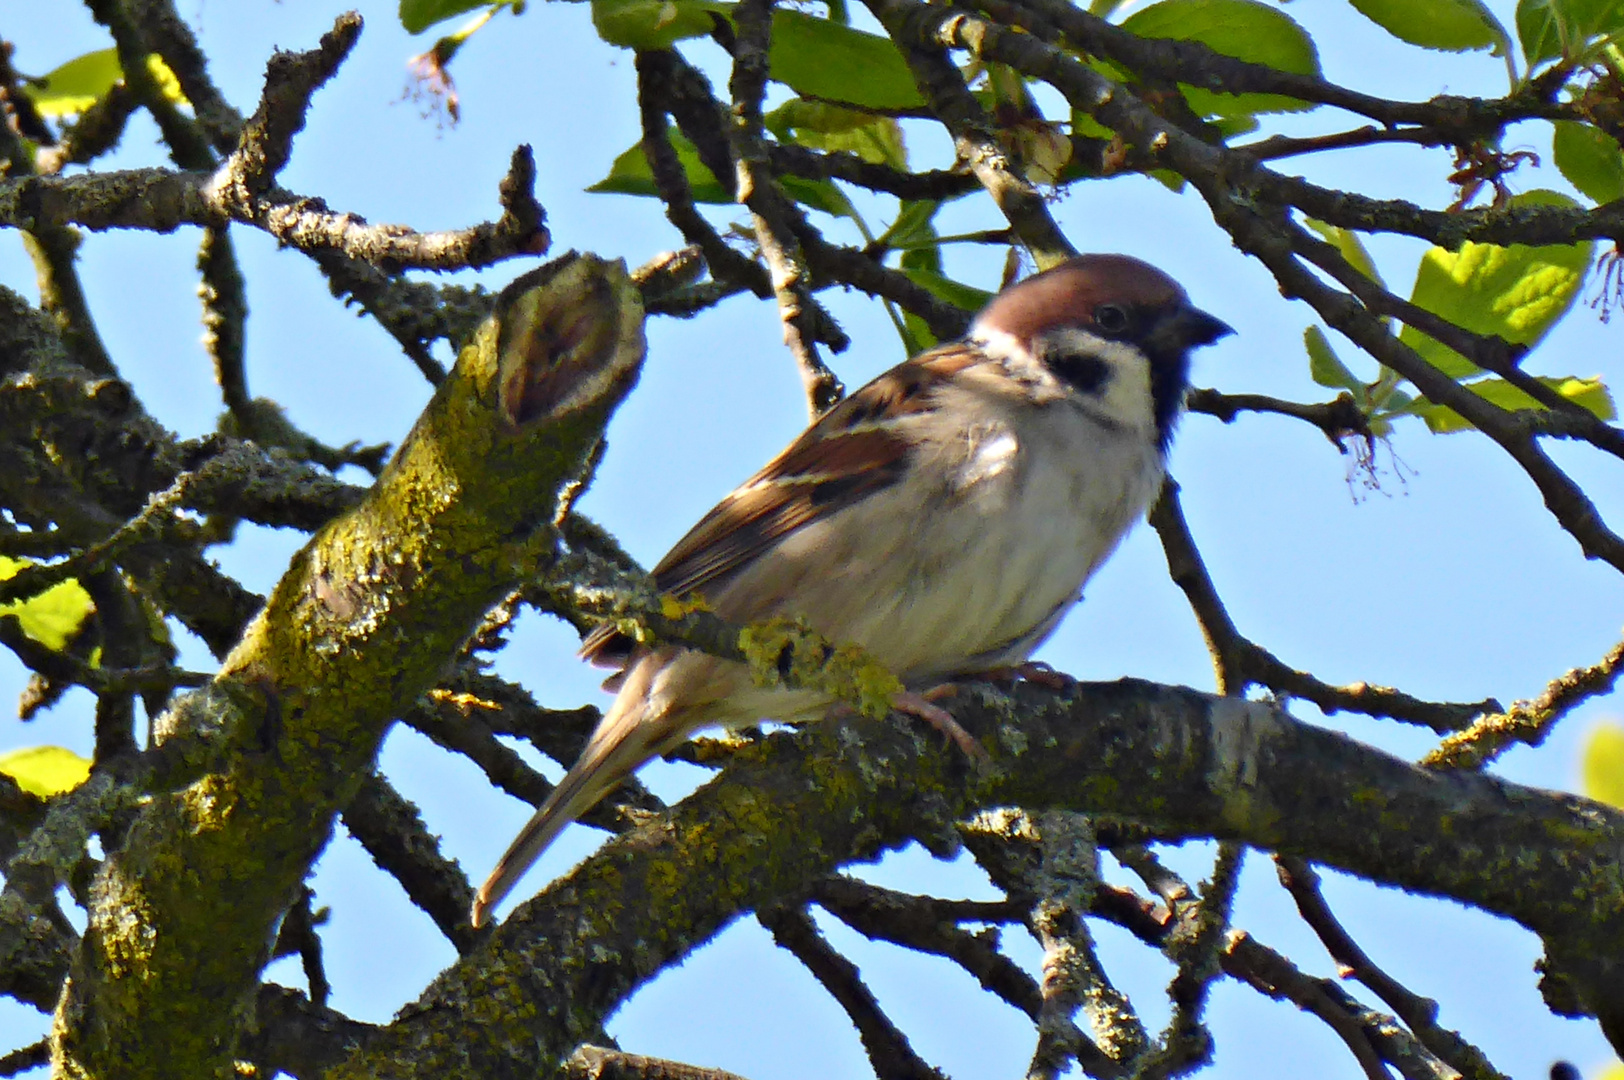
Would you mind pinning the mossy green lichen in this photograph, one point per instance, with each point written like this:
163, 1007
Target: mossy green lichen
789, 652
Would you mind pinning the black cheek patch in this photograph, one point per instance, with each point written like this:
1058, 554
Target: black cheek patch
1085, 373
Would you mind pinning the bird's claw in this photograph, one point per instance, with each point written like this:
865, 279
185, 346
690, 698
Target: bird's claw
920, 705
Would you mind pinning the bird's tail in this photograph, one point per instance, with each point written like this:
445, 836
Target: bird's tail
624, 739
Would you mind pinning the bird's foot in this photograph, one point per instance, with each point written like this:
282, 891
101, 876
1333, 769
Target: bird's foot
1032, 671
1036, 671
921, 706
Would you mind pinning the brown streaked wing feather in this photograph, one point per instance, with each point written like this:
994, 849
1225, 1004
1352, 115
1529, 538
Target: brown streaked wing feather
843, 457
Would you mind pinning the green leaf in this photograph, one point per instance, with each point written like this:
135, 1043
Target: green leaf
822, 195
77, 84
1245, 29
168, 84
1603, 765
1325, 368
1590, 159
1517, 292
1565, 28
630, 174
819, 58
1352, 248
45, 770
418, 15
1087, 127
1447, 25
914, 234
914, 231
654, 24
52, 617
820, 126
956, 293
1589, 393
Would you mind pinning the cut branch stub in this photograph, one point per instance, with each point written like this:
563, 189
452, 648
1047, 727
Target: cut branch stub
364, 620
562, 348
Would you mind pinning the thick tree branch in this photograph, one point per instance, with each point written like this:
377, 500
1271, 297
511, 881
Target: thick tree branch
1185, 763
361, 624
291, 1034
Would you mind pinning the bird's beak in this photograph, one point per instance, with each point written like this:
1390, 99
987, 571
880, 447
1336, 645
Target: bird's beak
1196, 327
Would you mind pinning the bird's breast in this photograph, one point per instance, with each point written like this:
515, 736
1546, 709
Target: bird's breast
971, 557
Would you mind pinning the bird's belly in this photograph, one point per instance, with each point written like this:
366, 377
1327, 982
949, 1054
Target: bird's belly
936, 579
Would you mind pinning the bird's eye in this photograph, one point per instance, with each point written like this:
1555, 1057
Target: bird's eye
1111, 318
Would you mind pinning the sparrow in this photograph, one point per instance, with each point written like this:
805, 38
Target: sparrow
944, 517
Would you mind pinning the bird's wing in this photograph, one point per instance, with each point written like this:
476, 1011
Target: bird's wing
851, 452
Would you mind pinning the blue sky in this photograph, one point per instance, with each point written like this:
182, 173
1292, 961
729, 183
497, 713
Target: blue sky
1450, 582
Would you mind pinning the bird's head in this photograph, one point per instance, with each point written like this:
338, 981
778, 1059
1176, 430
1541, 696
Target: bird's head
1110, 328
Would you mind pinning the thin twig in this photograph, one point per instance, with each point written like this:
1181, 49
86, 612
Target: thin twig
600, 1063
1237, 658
774, 215
24, 1058
225, 311
1421, 1014
976, 141
53, 249
656, 72
390, 829
1337, 419
920, 923
167, 34
888, 1049
1527, 721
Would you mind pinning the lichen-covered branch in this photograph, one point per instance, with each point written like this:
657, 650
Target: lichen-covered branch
1527, 721
1187, 764
363, 621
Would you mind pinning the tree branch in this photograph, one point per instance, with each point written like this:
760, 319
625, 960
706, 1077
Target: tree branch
1527, 722
361, 624
800, 805
1239, 662
888, 1049
777, 219
1421, 1014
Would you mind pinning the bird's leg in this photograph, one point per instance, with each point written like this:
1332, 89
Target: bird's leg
920, 705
